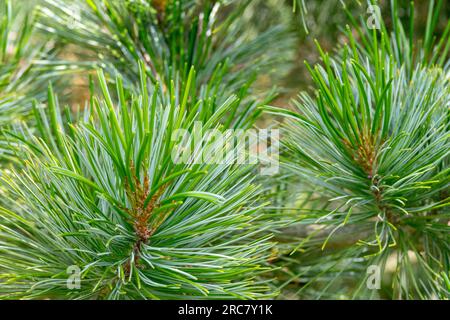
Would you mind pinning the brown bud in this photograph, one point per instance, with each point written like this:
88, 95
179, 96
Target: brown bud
159, 5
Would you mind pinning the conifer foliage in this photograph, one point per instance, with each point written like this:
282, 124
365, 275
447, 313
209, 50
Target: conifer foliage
19, 79
95, 202
104, 196
373, 144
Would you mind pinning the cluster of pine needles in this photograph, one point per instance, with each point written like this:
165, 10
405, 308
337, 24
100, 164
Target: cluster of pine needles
92, 91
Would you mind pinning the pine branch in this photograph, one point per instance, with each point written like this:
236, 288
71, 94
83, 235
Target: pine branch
382, 169
171, 37
103, 194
